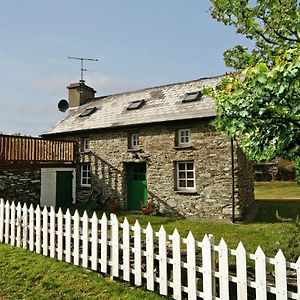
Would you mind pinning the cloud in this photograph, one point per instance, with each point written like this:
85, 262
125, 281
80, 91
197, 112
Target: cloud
103, 84
106, 85
50, 86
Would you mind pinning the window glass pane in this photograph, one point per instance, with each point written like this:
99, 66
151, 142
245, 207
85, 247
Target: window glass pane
190, 166
181, 166
190, 183
181, 183
190, 174
181, 174
136, 104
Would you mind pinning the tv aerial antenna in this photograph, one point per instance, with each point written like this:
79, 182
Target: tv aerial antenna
82, 59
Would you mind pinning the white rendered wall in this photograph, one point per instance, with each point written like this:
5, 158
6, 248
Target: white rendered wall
48, 185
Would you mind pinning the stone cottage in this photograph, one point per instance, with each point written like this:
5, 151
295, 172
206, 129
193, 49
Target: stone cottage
157, 144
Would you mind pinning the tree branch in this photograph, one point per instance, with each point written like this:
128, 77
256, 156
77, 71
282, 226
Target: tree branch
266, 39
285, 37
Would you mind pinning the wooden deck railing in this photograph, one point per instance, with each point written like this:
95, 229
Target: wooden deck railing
22, 149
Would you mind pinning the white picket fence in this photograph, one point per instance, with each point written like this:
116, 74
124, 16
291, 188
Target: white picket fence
173, 266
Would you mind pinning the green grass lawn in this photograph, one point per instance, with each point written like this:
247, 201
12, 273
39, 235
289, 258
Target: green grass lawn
277, 190
26, 275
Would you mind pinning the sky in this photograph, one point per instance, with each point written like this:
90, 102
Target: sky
138, 43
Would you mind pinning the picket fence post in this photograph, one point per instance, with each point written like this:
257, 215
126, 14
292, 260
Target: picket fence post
31, 228
95, 241
241, 272
103, 243
163, 272
176, 257
25, 225
38, 230
7, 221
280, 276
1, 220
52, 232
59, 234
19, 224
191, 267
149, 258
85, 239
45, 232
207, 268
137, 254
126, 250
13, 224
260, 274
223, 269
76, 238
114, 258
68, 235
298, 276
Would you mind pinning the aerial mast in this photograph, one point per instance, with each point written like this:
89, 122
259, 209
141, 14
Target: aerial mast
82, 68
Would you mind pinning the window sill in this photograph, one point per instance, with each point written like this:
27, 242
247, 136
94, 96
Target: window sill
135, 150
86, 186
183, 147
86, 152
187, 192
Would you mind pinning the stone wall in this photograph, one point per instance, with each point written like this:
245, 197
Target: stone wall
210, 153
20, 185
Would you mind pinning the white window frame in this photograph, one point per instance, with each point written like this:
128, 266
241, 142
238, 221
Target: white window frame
185, 178
184, 134
86, 147
134, 141
85, 175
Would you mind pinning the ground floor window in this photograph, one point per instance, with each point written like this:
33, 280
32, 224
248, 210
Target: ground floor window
185, 173
85, 178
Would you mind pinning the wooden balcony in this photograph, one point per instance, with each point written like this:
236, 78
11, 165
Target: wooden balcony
16, 151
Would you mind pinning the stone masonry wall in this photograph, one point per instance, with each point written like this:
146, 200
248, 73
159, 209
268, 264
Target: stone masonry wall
210, 153
20, 185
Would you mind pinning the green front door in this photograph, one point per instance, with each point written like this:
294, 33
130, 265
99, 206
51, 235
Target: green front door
137, 193
64, 189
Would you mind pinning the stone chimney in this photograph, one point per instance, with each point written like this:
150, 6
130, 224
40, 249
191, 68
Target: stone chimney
79, 93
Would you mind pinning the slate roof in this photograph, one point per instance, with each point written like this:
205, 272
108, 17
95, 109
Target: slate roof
162, 103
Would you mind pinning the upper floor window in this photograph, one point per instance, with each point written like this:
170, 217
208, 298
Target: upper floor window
134, 141
184, 137
85, 145
185, 171
86, 175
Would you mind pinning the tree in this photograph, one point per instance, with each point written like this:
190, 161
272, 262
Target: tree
259, 103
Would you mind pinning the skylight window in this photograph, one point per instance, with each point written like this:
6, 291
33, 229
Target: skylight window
193, 96
88, 112
136, 104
